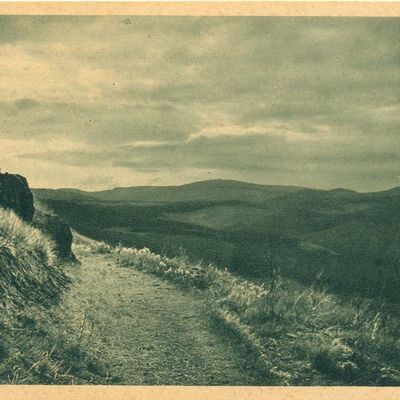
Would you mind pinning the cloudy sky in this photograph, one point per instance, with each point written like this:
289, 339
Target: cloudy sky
100, 102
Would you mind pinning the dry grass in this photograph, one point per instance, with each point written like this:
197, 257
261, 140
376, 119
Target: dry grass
297, 335
36, 344
29, 270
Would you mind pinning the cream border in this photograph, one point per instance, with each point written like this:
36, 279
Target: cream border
40, 392
199, 8
279, 8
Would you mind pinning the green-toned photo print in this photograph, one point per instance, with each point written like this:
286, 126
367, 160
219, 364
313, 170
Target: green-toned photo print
205, 200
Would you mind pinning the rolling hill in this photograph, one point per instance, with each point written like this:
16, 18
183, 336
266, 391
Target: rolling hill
212, 190
349, 239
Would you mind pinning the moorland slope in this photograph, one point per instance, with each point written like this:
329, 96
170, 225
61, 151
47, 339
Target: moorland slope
349, 240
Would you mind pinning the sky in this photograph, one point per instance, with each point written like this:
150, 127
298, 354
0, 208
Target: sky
102, 102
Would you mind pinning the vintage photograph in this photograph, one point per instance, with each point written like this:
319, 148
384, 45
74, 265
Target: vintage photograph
199, 200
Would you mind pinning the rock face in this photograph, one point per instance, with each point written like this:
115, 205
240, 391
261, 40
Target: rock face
57, 230
16, 195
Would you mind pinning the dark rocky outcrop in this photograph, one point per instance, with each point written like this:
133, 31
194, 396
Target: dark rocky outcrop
16, 195
57, 230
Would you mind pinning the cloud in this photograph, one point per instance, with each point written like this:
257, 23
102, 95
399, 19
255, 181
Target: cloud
311, 101
273, 128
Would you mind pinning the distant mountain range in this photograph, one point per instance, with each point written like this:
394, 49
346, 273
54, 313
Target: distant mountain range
211, 190
351, 239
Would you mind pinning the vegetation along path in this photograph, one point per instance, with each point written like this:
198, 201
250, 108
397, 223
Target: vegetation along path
152, 332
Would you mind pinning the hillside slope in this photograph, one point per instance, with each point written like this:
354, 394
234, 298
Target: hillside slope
350, 239
36, 346
29, 272
290, 334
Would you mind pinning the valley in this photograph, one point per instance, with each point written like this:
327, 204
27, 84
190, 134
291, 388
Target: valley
347, 241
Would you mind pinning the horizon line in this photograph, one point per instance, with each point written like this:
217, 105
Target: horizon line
215, 180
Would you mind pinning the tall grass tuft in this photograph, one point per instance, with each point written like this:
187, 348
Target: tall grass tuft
29, 272
36, 344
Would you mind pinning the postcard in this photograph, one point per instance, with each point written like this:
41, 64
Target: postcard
199, 200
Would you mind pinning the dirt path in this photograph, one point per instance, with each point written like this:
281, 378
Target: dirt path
153, 332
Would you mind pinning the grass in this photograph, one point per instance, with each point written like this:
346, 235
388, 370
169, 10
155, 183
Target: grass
37, 344
296, 335
29, 270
